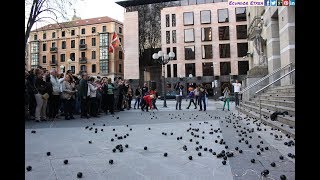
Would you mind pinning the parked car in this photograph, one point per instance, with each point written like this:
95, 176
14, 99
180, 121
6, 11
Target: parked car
170, 95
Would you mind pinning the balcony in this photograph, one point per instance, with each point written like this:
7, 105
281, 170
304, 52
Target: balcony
53, 63
53, 49
255, 27
83, 60
83, 46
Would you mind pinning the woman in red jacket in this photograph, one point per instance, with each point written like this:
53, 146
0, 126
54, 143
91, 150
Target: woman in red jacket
147, 101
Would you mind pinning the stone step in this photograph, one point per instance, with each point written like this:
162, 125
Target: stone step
287, 119
285, 87
280, 98
281, 90
284, 103
275, 124
276, 94
271, 108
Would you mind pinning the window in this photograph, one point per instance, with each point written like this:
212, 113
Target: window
224, 33
34, 59
72, 56
224, 50
93, 55
35, 37
174, 36
93, 30
104, 66
168, 37
44, 59
72, 32
175, 74
83, 68
93, 42
201, 1
223, 15
44, 36
73, 69
82, 41
242, 49
62, 57
83, 31
174, 49
168, 70
104, 39
103, 53
53, 35
241, 31
120, 54
241, 14
225, 68
104, 28
190, 68
206, 34
64, 44
207, 51
243, 67
73, 43
93, 68
120, 39
53, 59
189, 52
44, 47
188, 18
192, 2
205, 17
173, 19
207, 69
168, 50
167, 20
34, 47
120, 68
83, 54
63, 33
120, 30
53, 44
188, 35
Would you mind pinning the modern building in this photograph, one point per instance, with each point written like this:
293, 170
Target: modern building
209, 39
78, 45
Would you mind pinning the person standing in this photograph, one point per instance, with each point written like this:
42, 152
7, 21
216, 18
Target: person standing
84, 95
179, 90
68, 91
236, 90
41, 96
147, 102
109, 96
202, 98
138, 97
191, 96
93, 98
145, 89
55, 97
121, 94
226, 95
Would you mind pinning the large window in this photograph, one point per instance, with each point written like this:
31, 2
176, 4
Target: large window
34, 47
53, 35
53, 59
104, 66
243, 67
225, 68
206, 51
72, 56
242, 49
93, 68
62, 57
82, 41
168, 37
205, 17
44, 47
83, 54
223, 15
241, 14
206, 34
73, 32
120, 54
120, 30
175, 74
93, 30
174, 49
192, 2
73, 43
104, 39
63, 45
120, 68
173, 19
93, 55
34, 60
224, 50
44, 36
189, 52
224, 33
174, 36
168, 50
83, 31
63, 33
188, 18
168, 70
73, 69
103, 53
167, 20
53, 44
44, 59
93, 42
207, 69
190, 68
35, 37
241, 31
83, 68
104, 28
189, 35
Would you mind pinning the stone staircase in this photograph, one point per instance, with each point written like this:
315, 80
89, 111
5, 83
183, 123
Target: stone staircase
281, 99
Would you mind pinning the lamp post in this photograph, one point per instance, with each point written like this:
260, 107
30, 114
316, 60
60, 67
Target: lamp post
163, 59
69, 62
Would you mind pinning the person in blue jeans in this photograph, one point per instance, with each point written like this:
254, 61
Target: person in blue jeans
202, 98
226, 95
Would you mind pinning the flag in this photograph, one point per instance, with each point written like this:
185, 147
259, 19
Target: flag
114, 42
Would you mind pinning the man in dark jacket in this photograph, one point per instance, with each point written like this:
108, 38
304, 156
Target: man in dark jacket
84, 95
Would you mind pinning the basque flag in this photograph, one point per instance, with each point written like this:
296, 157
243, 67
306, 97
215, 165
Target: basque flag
114, 42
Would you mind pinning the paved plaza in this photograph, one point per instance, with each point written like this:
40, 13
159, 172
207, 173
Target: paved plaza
179, 133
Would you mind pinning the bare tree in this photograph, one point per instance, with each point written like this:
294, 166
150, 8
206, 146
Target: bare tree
45, 11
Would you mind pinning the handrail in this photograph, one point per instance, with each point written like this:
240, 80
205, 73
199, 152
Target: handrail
263, 78
275, 80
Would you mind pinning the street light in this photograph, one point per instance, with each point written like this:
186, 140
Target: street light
69, 62
163, 59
